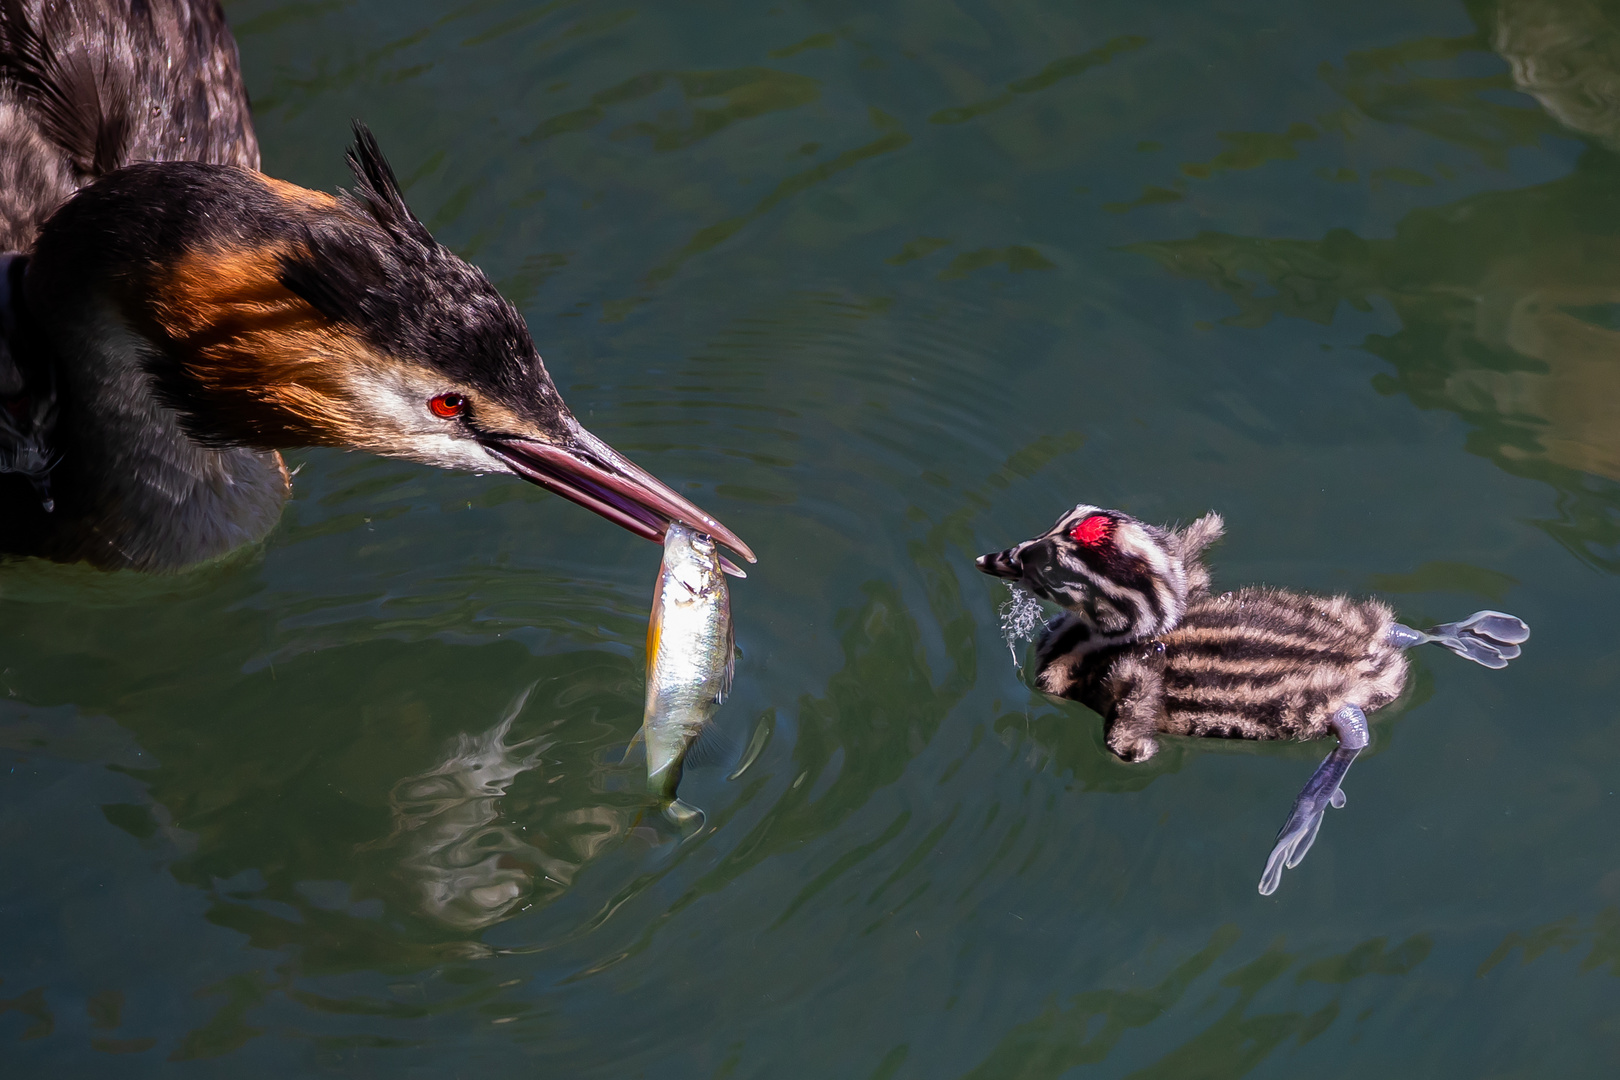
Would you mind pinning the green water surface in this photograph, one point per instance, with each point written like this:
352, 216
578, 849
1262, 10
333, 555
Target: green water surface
882, 285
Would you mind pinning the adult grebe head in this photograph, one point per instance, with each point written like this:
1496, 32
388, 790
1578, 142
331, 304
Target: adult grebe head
271, 316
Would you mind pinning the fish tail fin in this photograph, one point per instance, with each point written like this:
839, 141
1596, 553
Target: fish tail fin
684, 816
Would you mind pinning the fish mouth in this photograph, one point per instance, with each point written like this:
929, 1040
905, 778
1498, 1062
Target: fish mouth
591, 473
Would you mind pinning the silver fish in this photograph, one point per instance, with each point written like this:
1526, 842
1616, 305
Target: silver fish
690, 657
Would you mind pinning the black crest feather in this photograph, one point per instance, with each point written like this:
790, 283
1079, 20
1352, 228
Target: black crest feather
375, 268
378, 189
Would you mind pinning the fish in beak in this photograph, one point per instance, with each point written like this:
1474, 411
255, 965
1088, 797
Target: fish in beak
588, 471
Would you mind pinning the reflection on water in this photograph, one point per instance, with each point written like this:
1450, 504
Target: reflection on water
1566, 54
1508, 302
464, 869
1507, 305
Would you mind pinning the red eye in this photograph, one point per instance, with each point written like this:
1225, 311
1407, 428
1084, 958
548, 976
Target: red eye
1092, 531
447, 405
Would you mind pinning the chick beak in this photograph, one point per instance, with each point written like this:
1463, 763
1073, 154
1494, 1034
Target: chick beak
590, 472
1004, 564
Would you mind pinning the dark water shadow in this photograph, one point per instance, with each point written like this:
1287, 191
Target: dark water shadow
1088, 1027
1600, 936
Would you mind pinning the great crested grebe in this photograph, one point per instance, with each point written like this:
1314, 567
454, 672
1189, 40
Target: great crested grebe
170, 317
1144, 643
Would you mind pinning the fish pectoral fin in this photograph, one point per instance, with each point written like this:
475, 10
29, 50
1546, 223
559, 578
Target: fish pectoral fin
712, 745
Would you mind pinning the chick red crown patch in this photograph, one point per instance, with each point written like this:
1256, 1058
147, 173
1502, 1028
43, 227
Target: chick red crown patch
1092, 531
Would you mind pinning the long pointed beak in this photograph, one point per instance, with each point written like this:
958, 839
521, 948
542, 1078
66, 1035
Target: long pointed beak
599, 478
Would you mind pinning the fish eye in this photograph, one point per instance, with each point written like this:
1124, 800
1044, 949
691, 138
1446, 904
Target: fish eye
447, 406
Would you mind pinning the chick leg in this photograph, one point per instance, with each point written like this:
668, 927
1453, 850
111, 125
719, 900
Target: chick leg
1321, 791
1491, 638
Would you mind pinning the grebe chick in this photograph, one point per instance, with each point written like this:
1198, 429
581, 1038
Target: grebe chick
171, 318
1143, 642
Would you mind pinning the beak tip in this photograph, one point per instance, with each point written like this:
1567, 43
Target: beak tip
712, 528
998, 564
730, 539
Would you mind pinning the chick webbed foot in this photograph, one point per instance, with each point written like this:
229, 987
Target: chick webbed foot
1320, 792
1491, 638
